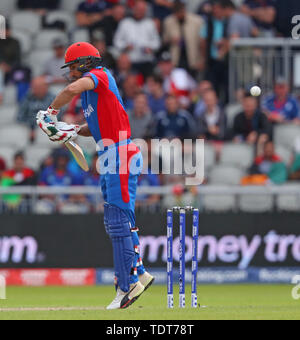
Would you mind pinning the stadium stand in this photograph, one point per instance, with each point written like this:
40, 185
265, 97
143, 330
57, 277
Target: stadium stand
219, 203
45, 38
285, 135
256, 203
225, 175
225, 162
15, 135
240, 155
26, 21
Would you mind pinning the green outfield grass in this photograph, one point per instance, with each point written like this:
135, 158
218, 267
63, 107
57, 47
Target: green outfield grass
234, 302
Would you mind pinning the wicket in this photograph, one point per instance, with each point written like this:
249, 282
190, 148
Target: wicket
182, 235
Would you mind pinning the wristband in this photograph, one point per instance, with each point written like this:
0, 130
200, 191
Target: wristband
53, 113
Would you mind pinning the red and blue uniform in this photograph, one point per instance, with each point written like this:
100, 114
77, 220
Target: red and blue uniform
109, 124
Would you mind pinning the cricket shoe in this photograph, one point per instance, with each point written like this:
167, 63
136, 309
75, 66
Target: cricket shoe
146, 280
124, 300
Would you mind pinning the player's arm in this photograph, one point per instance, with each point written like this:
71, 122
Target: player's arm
72, 90
85, 131
47, 120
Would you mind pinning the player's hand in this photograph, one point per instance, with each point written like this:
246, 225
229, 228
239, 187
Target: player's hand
46, 123
57, 131
64, 132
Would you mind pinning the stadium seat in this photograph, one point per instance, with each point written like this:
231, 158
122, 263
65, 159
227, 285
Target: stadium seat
232, 110
87, 144
285, 135
7, 7
37, 60
70, 6
7, 153
288, 202
35, 155
226, 175
65, 17
24, 39
80, 35
42, 141
256, 203
194, 5
284, 153
55, 89
209, 156
14, 135
9, 95
26, 21
219, 203
241, 155
45, 38
7, 114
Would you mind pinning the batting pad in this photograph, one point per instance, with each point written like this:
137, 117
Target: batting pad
118, 229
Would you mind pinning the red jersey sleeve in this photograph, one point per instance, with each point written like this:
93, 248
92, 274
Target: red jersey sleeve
99, 77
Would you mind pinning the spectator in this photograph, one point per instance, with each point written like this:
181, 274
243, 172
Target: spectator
98, 40
151, 175
21, 77
46, 203
282, 107
162, 8
214, 49
47, 163
156, 95
81, 204
130, 90
182, 196
75, 204
251, 125
239, 25
198, 105
294, 172
10, 57
19, 175
177, 81
205, 8
212, 123
109, 24
139, 37
37, 99
123, 68
39, 5
52, 69
181, 34
174, 122
89, 12
140, 117
148, 179
90, 178
263, 13
270, 164
2, 167
58, 174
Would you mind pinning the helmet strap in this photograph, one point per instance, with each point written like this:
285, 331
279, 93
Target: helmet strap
86, 64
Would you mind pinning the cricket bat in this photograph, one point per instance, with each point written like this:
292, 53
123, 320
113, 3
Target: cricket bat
77, 153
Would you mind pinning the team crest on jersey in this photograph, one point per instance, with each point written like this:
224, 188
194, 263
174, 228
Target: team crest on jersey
88, 111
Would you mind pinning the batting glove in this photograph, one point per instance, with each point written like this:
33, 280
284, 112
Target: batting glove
46, 123
64, 132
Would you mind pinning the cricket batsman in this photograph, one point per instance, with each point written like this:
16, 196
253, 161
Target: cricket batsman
108, 123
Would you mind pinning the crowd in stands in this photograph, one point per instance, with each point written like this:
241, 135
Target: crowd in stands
171, 66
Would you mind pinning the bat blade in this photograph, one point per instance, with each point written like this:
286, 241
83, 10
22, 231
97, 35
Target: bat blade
78, 155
